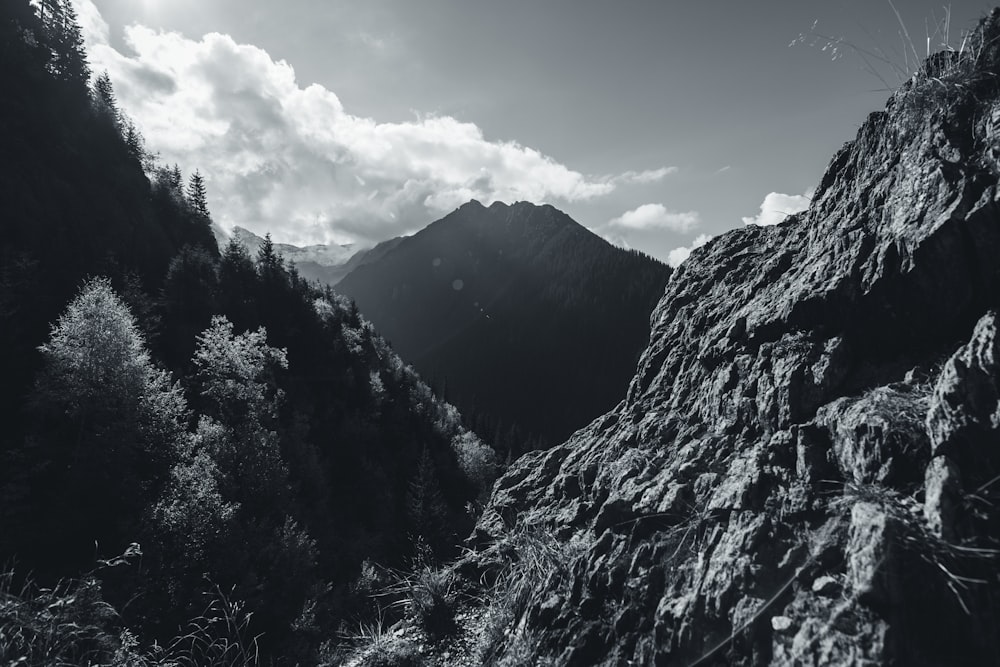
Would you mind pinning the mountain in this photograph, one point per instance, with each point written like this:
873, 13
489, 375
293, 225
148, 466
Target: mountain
804, 469
325, 264
524, 316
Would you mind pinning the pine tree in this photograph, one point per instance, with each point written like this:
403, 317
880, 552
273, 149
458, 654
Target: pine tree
64, 38
175, 178
197, 195
135, 142
270, 265
104, 98
425, 505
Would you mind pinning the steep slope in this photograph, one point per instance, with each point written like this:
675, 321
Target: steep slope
804, 469
524, 315
252, 433
76, 198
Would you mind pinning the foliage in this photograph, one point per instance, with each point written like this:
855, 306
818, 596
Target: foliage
237, 372
278, 462
109, 423
520, 562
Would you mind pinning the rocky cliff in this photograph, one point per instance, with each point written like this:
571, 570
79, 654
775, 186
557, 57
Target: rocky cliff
805, 468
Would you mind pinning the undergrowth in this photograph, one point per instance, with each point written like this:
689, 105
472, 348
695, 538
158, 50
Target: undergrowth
70, 624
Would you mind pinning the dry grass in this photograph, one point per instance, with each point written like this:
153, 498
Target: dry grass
959, 566
933, 65
68, 624
526, 561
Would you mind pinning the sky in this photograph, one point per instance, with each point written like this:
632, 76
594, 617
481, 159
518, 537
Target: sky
657, 124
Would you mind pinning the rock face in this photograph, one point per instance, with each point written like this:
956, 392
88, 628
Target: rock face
804, 469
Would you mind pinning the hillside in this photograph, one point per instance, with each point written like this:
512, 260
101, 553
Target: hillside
523, 316
203, 455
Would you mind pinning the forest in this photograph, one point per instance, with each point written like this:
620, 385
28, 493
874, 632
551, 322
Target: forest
205, 459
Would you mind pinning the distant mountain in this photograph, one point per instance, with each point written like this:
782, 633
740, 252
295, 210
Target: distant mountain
326, 264
523, 316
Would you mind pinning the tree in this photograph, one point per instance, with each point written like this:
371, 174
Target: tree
104, 98
270, 265
426, 508
237, 374
136, 143
245, 475
174, 177
188, 300
64, 38
197, 195
109, 421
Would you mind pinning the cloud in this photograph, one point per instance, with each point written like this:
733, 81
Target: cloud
644, 177
290, 159
657, 216
94, 28
776, 207
678, 255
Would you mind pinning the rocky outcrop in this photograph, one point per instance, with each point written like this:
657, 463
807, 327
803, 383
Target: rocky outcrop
801, 471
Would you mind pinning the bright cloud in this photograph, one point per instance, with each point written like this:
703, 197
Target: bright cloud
291, 160
678, 255
776, 207
657, 216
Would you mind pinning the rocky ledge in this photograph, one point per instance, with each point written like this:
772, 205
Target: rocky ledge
805, 468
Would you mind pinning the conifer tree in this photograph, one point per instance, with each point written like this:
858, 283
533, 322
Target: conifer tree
64, 38
425, 505
197, 194
175, 177
104, 98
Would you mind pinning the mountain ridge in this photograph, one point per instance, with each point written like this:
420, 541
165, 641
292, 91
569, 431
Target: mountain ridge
512, 306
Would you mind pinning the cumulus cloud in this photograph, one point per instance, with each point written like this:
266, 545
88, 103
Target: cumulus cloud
657, 216
292, 160
777, 206
678, 255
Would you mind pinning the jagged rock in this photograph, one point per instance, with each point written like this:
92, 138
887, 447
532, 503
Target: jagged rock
964, 426
942, 491
775, 429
